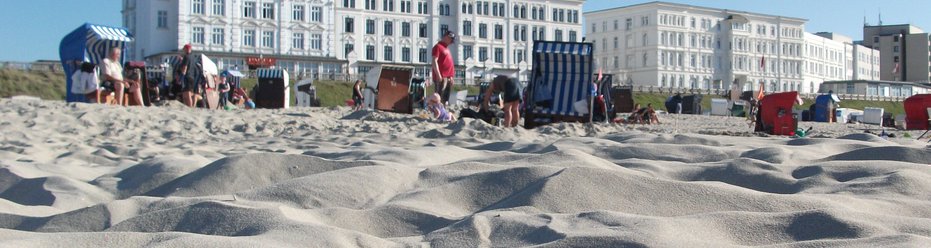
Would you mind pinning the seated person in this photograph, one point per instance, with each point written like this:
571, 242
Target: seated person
438, 109
650, 115
240, 96
133, 87
85, 81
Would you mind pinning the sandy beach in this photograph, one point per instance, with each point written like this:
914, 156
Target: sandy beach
80, 175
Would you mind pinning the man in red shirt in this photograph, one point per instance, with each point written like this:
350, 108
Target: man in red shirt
443, 68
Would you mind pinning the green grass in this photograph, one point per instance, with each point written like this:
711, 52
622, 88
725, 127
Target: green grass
45, 85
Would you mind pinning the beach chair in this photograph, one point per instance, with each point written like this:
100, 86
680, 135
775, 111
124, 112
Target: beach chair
90, 43
272, 91
390, 88
776, 114
928, 126
916, 112
561, 77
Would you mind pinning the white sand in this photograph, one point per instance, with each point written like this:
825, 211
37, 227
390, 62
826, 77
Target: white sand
77, 175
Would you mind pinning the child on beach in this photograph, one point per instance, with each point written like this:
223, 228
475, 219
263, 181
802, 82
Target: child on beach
438, 109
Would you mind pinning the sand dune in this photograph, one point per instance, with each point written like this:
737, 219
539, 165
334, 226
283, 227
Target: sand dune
78, 175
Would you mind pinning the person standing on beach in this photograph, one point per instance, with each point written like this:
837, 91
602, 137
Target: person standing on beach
443, 68
185, 74
113, 73
357, 99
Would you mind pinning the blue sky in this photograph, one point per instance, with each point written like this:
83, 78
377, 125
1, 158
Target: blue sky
31, 30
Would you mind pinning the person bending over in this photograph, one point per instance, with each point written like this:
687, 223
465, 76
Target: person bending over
510, 100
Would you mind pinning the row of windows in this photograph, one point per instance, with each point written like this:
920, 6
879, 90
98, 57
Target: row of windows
218, 37
388, 28
199, 7
628, 24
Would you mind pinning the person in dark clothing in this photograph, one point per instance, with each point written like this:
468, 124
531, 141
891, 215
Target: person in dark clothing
357, 98
509, 88
185, 75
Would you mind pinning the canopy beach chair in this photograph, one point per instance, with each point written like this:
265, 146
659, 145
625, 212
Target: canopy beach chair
272, 90
561, 77
89, 43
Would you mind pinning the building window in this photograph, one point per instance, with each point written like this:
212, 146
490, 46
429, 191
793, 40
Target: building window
617, 62
466, 52
482, 54
162, 19
369, 4
316, 41
573, 36
349, 4
406, 54
895, 49
268, 39
422, 32
443, 29
248, 38
404, 9
248, 10
499, 55
389, 53
558, 34
389, 28
388, 5
499, 32
370, 52
197, 7
482, 30
268, 11
316, 14
349, 47
197, 35
297, 41
406, 29
369, 26
298, 13
350, 22
219, 7
422, 55
519, 56
466, 28
218, 35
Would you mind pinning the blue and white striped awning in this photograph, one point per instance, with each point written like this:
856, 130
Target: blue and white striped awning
101, 38
110, 33
270, 73
581, 49
565, 70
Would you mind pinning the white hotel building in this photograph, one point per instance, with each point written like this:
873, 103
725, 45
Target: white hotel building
351, 36
683, 46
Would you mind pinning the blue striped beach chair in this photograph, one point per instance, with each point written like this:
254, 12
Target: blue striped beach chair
89, 43
562, 75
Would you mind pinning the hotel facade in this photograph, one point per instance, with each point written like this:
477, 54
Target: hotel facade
682, 46
309, 37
